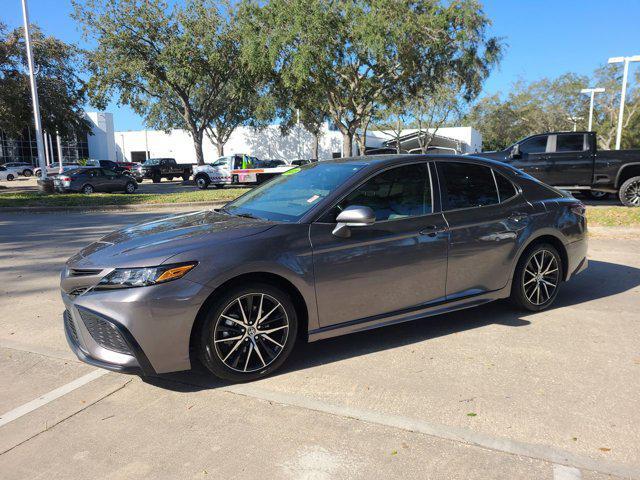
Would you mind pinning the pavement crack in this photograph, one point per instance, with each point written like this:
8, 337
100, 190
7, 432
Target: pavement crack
50, 427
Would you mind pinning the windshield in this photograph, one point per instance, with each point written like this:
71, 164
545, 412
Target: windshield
152, 161
289, 196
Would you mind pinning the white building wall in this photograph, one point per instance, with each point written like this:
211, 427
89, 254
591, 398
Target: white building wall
265, 143
101, 140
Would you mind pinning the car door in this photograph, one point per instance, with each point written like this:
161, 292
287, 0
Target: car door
486, 216
397, 263
110, 180
534, 157
571, 162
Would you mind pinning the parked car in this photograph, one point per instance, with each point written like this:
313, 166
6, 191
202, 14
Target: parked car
571, 161
23, 168
88, 180
331, 248
133, 169
108, 164
8, 174
54, 168
158, 168
237, 170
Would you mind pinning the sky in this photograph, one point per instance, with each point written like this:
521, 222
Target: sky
544, 38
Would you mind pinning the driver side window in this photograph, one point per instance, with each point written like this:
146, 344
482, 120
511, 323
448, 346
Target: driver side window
534, 145
396, 193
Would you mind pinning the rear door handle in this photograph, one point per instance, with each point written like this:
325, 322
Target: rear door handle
518, 216
431, 230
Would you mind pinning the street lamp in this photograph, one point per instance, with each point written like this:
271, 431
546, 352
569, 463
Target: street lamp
591, 92
626, 61
34, 97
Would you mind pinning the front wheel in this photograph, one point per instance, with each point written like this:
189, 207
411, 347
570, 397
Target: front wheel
630, 192
185, 177
10, 178
537, 278
202, 182
87, 189
130, 187
27, 173
248, 333
596, 195
156, 178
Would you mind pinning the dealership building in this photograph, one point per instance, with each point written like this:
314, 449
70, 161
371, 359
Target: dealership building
105, 143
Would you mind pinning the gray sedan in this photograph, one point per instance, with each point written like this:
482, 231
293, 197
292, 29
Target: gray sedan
88, 180
327, 249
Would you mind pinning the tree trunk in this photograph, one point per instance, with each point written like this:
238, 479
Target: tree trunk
197, 143
362, 144
316, 145
220, 147
347, 144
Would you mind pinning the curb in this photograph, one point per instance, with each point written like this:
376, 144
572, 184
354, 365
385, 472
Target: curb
110, 208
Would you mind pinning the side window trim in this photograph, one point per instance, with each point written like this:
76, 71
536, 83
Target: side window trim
516, 188
372, 175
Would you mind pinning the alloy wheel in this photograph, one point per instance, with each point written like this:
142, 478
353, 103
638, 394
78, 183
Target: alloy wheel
251, 332
541, 277
632, 194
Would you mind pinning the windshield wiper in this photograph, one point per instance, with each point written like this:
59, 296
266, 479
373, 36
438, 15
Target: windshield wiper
246, 215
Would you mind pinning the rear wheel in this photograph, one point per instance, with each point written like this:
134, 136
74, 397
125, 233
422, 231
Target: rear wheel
10, 177
27, 172
88, 189
185, 177
130, 187
156, 178
537, 278
248, 333
630, 192
139, 180
595, 195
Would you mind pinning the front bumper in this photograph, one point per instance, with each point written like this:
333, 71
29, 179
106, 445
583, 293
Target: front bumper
143, 330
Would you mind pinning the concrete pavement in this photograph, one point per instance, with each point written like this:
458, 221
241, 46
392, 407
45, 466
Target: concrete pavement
484, 393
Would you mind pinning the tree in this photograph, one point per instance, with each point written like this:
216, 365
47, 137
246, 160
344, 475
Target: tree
61, 91
367, 54
178, 67
392, 120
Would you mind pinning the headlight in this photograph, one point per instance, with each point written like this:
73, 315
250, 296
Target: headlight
143, 277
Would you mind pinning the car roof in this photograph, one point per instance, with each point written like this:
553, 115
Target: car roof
392, 159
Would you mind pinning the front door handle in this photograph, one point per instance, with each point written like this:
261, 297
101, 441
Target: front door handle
431, 230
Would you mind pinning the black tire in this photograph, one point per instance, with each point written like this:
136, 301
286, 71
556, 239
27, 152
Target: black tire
27, 172
630, 192
202, 182
185, 177
218, 185
10, 178
220, 356
87, 189
523, 290
130, 187
170, 179
139, 180
595, 195
156, 178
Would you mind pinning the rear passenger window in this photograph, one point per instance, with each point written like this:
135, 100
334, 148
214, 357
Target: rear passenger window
570, 143
505, 187
468, 185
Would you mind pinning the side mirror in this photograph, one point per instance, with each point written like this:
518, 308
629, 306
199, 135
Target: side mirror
515, 152
353, 216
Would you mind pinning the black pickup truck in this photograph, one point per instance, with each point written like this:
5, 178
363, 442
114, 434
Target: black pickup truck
572, 161
158, 168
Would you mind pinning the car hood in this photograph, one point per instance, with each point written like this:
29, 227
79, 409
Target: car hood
152, 243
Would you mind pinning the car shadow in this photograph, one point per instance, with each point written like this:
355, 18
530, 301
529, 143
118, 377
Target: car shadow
600, 280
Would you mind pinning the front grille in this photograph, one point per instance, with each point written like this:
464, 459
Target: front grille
83, 272
105, 333
71, 326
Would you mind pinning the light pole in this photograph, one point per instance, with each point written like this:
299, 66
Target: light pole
34, 97
625, 74
591, 92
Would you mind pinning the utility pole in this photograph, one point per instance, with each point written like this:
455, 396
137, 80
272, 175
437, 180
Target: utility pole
44, 183
591, 92
623, 93
60, 170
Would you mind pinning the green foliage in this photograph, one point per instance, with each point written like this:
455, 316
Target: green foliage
363, 55
61, 91
556, 105
177, 66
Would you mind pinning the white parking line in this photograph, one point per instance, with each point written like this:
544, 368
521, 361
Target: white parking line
562, 472
28, 407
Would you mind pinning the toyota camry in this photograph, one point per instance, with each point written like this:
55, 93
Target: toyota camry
326, 249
